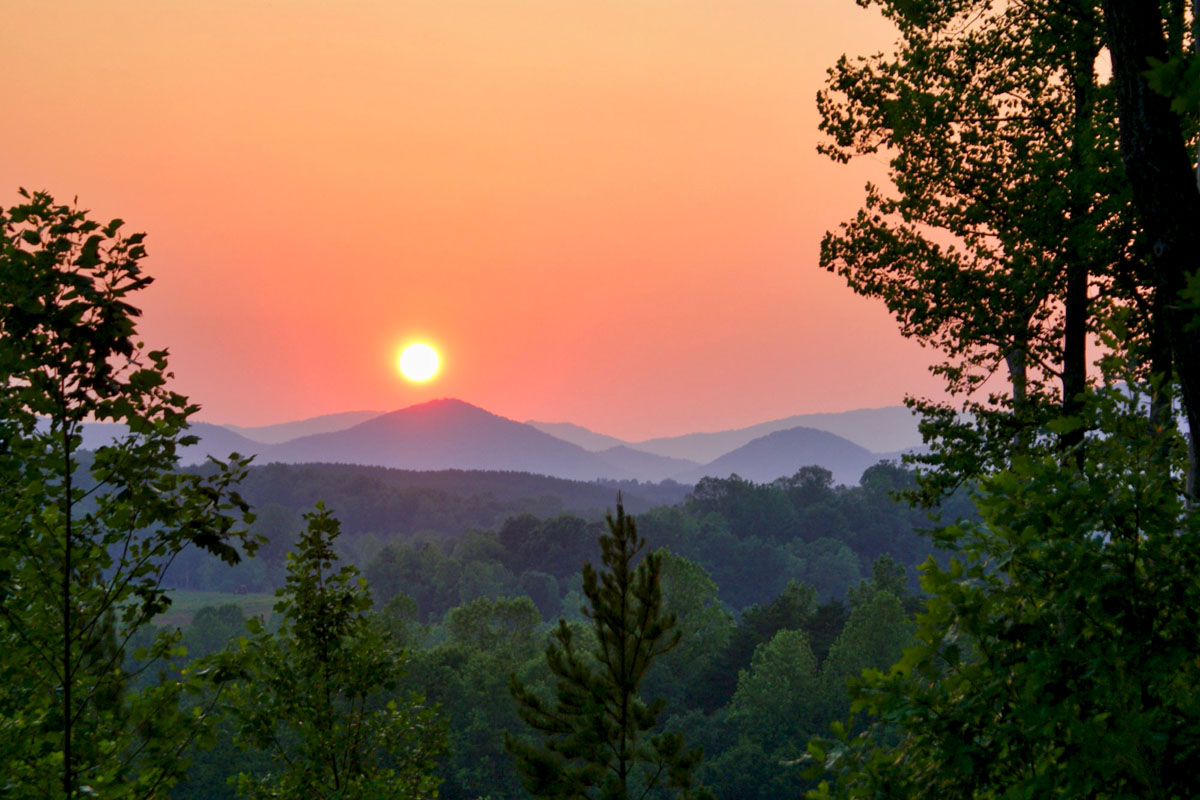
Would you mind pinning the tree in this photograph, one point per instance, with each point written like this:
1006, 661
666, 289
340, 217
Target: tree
467, 677
874, 637
808, 486
1057, 655
86, 537
542, 589
597, 740
752, 509
768, 721
1009, 238
831, 567
776, 698
691, 596
1054, 650
792, 609
1162, 174
310, 695
507, 625
704, 627
211, 629
887, 575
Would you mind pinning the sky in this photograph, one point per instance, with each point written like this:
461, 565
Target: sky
607, 212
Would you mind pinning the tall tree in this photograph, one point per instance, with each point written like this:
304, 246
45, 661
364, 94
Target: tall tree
85, 537
1162, 174
1007, 236
1052, 657
876, 633
311, 694
597, 740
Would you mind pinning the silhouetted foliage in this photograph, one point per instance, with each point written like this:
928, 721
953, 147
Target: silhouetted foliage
1051, 653
84, 538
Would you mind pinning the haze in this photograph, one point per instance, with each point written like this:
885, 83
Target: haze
607, 213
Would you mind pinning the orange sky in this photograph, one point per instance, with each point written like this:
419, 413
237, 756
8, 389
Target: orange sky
601, 211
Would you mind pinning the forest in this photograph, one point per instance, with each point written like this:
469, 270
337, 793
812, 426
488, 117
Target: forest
807, 593
1009, 614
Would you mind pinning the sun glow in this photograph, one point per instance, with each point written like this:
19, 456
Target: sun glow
419, 362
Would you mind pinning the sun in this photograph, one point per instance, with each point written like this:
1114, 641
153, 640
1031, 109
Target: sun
419, 362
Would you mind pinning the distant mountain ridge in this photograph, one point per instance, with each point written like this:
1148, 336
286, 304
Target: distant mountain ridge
577, 434
890, 429
286, 431
215, 440
647, 466
782, 453
451, 434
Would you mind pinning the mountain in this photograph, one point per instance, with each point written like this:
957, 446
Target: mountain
451, 434
218, 442
286, 431
644, 466
577, 434
215, 440
446, 434
892, 428
782, 453
881, 430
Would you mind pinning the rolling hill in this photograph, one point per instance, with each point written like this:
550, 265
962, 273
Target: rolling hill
782, 453
891, 429
644, 466
577, 434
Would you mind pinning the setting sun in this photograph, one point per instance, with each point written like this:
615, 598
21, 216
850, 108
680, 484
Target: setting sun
419, 362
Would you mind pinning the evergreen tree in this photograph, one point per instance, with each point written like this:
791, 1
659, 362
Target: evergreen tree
597, 733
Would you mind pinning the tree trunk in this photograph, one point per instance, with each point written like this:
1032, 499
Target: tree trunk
68, 673
1165, 193
1084, 47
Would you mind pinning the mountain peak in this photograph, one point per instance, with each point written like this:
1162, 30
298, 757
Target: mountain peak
781, 453
443, 404
448, 433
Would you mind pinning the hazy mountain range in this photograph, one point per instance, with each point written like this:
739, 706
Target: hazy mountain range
453, 435
890, 430
286, 431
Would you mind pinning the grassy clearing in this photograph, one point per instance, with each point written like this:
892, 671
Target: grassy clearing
185, 604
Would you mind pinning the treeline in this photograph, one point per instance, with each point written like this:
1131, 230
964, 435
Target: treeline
378, 506
445, 548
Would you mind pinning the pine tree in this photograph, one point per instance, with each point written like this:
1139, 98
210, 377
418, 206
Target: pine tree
597, 733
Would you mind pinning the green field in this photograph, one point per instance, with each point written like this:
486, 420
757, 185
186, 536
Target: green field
185, 604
